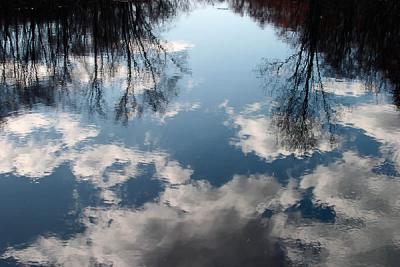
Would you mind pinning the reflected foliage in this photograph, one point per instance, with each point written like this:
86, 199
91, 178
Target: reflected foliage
338, 39
303, 111
58, 44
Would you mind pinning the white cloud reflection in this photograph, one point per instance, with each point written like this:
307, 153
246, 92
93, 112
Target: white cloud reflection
345, 88
27, 123
35, 144
380, 121
198, 219
257, 133
177, 46
174, 109
28, 153
196, 224
109, 165
366, 230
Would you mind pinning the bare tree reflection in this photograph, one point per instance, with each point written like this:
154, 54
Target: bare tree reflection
303, 113
339, 39
42, 44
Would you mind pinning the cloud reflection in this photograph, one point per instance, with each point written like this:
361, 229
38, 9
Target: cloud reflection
380, 121
35, 144
212, 226
257, 133
106, 166
366, 229
34, 155
174, 109
340, 87
196, 224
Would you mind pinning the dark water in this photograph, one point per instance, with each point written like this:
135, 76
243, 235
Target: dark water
200, 133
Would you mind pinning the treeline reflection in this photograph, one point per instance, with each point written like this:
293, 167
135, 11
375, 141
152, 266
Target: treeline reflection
346, 40
45, 46
48, 45
356, 39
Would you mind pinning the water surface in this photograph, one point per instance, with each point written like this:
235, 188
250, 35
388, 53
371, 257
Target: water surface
199, 133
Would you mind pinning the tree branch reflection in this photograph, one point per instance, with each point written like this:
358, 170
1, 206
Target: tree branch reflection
42, 44
341, 39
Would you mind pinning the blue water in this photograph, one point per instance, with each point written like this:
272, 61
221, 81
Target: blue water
213, 171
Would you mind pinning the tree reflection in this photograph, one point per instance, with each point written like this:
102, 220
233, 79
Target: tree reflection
51, 44
303, 111
339, 39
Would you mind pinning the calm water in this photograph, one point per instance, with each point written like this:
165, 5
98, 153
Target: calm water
200, 133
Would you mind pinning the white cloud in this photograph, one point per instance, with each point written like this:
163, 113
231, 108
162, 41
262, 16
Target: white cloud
26, 123
72, 131
36, 160
225, 223
6, 156
108, 165
174, 109
177, 46
198, 217
257, 133
345, 88
35, 156
380, 121
172, 172
367, 215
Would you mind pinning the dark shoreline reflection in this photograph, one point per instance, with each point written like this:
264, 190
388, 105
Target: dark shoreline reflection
344, 40
353, 39
143, 206
45, 48
41, 44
